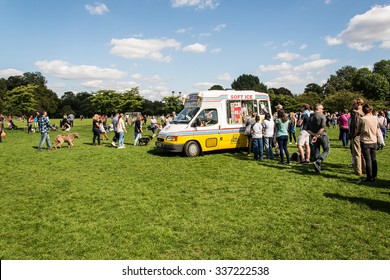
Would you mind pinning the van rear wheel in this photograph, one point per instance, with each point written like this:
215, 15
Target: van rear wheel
192, 149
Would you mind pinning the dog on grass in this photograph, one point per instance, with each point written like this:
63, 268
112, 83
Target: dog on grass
65, 138
144, 141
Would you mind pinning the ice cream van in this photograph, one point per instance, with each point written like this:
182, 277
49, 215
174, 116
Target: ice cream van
212, 120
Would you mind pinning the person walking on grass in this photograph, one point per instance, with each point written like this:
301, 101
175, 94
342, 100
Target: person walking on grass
121, 129
137, 129
44, 128
282, 124
317, 129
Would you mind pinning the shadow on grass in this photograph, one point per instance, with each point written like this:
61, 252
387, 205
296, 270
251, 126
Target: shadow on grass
330, 170
374, 204
161, 153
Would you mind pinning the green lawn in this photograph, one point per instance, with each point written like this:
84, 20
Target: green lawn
97, 202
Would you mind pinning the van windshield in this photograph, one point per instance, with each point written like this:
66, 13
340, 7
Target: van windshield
186, 115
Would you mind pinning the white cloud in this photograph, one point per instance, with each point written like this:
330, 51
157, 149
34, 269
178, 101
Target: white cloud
199, 4
133, 48
5, 73
366, 29
275, 68
315, 64
224, 77
196, 48
332, 41
287, 56
62, 69
97, 8
327, 2
219, 27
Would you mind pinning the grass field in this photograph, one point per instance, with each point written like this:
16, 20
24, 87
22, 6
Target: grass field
97, 202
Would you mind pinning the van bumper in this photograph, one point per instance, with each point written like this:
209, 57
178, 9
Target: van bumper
170, 147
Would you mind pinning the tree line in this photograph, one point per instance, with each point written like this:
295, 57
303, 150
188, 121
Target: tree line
28, 93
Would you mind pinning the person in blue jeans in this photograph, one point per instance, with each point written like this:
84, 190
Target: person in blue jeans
257, 139
44, 128
282, 123
317, 129
268, 127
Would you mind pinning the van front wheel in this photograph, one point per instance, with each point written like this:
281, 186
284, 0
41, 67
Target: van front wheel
192, 149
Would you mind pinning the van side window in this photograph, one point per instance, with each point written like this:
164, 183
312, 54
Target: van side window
239, 110
207, 117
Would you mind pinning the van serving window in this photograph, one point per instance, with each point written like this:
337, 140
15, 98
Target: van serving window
238, 110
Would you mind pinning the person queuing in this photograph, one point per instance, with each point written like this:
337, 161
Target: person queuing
357, 157
257, 139
269, 127
282, 123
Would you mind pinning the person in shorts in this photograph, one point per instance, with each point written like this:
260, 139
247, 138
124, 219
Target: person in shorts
304, 136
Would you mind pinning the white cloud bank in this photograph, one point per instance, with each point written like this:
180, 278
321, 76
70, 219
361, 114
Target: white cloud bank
364, 30
63, 70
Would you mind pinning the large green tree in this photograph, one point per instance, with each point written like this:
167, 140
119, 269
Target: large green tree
21, 100
342, 80
131, 101
106, 102
248, 82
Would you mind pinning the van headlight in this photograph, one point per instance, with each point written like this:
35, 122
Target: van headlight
171, 138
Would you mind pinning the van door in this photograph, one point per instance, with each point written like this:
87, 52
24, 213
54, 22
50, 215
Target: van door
207, 129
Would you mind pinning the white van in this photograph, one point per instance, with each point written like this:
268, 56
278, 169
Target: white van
212, 120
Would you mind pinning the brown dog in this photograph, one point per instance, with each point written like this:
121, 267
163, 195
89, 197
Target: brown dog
65, 138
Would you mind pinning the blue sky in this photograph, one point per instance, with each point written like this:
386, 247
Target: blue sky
189, 45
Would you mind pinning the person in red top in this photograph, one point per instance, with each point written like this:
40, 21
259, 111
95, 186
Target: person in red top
344, 127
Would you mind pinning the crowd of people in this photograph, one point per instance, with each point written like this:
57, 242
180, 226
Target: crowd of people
362, 130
